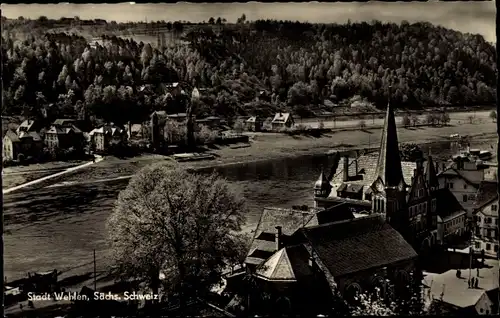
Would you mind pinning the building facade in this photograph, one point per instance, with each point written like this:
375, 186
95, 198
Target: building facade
407, 193
486, 220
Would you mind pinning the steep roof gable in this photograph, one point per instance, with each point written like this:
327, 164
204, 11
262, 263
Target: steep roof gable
389, 168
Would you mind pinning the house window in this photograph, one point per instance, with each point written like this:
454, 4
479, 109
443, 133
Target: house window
494, 207
465, 186
464, 198
488, 246
478, 231
450, 185
433, 205
495, 248
478, 218
425, 207
488, 220
477, 245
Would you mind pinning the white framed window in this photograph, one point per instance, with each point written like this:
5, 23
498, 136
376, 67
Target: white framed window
494, 207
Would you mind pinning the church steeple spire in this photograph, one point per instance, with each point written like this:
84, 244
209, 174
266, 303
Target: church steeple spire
389, 168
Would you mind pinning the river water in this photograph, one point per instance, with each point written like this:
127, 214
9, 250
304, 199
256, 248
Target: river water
59, 228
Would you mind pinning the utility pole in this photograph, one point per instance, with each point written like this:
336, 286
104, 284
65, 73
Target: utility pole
95, 281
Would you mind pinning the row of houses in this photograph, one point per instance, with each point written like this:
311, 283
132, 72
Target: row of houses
30, 138
278, 122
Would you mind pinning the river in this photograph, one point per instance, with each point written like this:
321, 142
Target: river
49, 228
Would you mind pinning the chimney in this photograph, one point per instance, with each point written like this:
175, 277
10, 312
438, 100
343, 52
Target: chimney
346, 169
278, 237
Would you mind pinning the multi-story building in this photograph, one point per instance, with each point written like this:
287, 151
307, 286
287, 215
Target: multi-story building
407, 193
107, 136
462, 178
20, 146
486, 219
63, 134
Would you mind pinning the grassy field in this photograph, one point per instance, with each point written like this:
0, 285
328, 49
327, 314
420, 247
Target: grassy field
17, 175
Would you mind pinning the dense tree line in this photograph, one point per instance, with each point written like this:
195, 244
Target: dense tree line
247, 68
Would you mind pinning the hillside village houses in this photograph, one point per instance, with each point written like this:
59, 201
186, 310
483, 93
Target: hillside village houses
63, 134
107, 136
282, 120
486, 219
254, 123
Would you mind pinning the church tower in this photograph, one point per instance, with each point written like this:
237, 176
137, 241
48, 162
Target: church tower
322, 187
389, 186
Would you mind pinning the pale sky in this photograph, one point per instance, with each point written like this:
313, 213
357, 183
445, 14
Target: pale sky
473, 17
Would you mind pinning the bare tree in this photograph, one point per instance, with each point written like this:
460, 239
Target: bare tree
179, 224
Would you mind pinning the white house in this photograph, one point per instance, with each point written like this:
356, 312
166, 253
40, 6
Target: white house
463, 181
486, 219
451, 217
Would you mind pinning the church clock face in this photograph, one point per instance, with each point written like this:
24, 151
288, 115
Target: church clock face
380, 187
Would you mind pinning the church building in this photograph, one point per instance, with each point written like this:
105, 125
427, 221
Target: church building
406, 193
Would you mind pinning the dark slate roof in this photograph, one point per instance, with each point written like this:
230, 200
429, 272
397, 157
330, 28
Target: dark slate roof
359, 203
488, 191
446, 203
287, 264
367, 167
430, 173
389, 168
359, 244
339, 212
290, 221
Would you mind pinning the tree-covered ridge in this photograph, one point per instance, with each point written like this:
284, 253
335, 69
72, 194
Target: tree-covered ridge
299, 65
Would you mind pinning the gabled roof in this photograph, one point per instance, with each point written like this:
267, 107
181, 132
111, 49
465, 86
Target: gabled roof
288, 264
367, 167
487, 193
451, 172
12, 136
281, 118
389, 168
263, 244
252, 119
355, 245
322, 182
446, 203
26, 125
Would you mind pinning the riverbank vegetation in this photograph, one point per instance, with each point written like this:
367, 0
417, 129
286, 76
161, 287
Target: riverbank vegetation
254, 68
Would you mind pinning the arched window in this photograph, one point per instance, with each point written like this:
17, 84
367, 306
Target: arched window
382, 205
351, 291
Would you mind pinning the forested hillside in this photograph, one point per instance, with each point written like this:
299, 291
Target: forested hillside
290, 66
